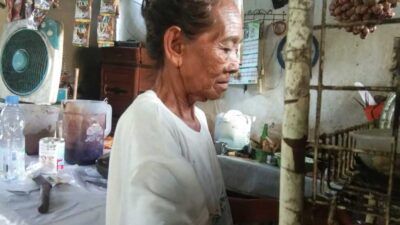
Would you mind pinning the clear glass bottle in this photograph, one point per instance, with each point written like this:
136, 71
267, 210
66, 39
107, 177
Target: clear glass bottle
264, 136
12, 140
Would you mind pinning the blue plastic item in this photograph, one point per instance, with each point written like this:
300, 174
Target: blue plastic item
12, 99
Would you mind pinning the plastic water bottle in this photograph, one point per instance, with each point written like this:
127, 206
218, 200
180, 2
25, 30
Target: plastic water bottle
12, 139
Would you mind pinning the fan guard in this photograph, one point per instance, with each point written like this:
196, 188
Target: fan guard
24, 62
31, 61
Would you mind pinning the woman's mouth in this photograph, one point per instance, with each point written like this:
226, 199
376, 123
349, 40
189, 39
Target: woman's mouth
223, 84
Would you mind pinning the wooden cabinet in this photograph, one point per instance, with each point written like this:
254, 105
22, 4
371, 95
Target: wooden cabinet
126, 72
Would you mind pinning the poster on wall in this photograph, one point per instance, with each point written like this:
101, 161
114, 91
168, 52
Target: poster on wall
106, 23
106, 30
83, 15
248, 73
108, 7
83, 9
81, 34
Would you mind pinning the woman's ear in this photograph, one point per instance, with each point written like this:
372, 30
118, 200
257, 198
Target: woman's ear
173, 45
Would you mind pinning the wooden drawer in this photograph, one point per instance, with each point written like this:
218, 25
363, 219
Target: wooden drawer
117, 80
112, 73
121, 56
118, 90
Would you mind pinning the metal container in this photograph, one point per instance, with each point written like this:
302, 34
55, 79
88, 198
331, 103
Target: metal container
380, 141
51, 154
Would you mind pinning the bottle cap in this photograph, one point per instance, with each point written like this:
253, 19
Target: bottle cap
12, 99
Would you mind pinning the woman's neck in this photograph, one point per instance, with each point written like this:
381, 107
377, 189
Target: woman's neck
170, 89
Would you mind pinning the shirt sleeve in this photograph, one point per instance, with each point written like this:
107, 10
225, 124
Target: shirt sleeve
151, 183
166, 193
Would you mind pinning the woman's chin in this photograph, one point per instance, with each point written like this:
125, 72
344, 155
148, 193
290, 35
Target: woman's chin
217, 92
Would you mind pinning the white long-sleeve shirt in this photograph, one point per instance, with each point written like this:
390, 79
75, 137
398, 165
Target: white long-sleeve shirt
162, 171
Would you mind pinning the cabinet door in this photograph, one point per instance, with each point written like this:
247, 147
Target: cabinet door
121, 56
118, 85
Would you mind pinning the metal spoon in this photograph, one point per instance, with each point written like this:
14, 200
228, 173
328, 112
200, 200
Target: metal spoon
22, 192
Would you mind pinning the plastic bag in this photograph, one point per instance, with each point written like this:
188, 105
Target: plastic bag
41, 8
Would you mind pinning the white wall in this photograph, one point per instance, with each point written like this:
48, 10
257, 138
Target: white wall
65, 15
73, 56
348, 59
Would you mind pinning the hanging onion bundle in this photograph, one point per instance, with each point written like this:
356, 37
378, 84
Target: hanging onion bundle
346, 11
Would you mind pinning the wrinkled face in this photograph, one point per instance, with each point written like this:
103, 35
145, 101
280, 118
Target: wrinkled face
211, 57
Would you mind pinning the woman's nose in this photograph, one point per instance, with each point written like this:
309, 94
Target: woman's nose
234, 64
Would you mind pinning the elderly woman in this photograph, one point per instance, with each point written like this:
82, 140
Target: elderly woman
163, 167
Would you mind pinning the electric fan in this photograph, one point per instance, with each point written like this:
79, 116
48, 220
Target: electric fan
31, 61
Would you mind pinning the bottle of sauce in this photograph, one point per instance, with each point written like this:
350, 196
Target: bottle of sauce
264, 138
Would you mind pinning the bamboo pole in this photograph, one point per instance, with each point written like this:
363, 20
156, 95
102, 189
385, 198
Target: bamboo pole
75, 96
295, 119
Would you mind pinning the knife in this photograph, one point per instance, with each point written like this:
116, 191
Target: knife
45, 188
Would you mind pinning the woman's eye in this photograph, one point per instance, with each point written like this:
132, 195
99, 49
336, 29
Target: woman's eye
226, 50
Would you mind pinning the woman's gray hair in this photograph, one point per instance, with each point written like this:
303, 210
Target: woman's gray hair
192, 16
